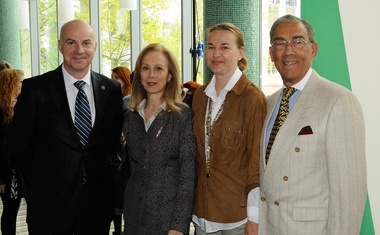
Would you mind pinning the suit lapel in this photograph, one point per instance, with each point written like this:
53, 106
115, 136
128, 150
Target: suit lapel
99, 89
57, 89
297, 118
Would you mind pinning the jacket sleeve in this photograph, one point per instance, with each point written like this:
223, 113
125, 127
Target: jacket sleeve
346, 163
22, 132
184, 200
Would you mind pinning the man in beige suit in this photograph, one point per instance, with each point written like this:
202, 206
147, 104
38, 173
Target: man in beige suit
313, 179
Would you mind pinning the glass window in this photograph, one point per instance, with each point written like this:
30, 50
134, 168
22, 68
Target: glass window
25, 38
199, 37
161, 23
270, 78
47, 11
115, 37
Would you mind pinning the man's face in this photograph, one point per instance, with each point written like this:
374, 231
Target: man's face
78, 46
291, 62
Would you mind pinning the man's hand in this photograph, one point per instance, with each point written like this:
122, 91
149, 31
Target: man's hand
2, 188
251, 228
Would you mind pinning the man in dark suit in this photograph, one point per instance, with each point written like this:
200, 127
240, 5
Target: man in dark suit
67, 178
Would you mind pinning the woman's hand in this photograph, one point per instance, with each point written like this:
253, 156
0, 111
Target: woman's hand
174, 232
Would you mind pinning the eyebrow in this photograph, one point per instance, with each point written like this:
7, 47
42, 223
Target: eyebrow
223, 44
86, 40
294, 37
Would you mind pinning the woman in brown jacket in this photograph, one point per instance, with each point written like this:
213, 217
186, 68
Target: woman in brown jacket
229, 114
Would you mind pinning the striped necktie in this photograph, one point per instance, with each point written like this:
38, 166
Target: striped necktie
280, 119
83, 122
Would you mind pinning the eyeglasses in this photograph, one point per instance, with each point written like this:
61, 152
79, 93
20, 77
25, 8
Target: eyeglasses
297, 43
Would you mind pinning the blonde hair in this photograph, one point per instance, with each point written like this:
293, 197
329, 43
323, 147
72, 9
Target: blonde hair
172, 93
10, 83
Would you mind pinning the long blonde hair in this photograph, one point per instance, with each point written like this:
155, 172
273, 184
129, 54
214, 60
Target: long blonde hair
172, 93
10, 85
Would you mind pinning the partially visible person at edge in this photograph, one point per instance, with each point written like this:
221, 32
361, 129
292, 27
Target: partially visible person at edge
10, 186
67, 175
123, 76
229, 114
121, 167
161, 147
314, 181
188, 89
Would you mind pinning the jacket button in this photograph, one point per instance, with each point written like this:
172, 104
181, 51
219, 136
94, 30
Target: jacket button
285, 178
263, 199
297, 149
276, 203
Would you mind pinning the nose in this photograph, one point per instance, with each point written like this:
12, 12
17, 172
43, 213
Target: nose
288, 49
216, 53
79, 48
151, 73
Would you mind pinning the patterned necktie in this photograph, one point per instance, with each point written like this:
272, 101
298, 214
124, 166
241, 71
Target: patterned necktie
82, 114
280, 119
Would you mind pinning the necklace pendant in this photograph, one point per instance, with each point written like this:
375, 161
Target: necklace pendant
208, 175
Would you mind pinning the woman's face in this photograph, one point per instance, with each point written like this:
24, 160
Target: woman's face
154, 73
114, 76
222, 52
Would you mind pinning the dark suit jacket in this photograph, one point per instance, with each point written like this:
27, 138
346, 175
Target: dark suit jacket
48, 153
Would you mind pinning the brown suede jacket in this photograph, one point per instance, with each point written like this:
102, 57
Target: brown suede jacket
234, 165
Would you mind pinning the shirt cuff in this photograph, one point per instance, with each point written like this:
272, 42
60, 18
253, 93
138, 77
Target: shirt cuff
253, 205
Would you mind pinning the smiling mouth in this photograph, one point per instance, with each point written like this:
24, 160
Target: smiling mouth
290, 63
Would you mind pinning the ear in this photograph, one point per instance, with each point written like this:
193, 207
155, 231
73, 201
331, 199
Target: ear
241, 50
169, 77
314, 48
271, 53
60, 46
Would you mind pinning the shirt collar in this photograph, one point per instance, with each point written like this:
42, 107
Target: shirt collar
301, 84
70, 80
142, 105
210, 89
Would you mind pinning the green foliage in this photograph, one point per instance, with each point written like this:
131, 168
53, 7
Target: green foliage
115, 34
48, 35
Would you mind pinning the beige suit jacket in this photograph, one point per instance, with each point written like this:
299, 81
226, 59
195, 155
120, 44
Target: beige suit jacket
315, 179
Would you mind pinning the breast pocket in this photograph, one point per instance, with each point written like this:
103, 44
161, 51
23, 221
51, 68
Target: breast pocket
233, 135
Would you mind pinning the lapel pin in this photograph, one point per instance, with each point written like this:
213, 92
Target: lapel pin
103, 88
159, 132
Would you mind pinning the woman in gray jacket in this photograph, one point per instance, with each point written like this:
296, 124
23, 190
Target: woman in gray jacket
160, 145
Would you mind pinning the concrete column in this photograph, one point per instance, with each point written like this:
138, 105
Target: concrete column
246, 15
10, 36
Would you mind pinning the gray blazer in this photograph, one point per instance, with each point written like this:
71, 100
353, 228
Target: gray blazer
315, 179
159, 195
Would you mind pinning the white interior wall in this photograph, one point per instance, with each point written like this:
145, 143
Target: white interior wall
360, 21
